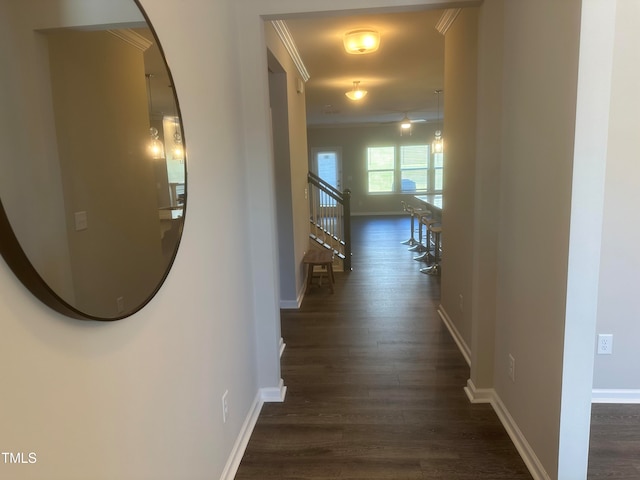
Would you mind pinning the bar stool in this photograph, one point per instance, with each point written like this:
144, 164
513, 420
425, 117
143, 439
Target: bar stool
428, 221
412, 213
434, 269
423, 217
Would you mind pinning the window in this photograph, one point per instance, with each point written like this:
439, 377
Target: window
381, 169
404, 168
414, 163
437, 171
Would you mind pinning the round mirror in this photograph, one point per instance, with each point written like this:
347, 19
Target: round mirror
93, 183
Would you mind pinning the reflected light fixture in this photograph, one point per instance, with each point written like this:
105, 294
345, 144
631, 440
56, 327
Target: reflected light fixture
356, 93
438, 145
361, 41
178, 148
155, 147
405, 126
156, 150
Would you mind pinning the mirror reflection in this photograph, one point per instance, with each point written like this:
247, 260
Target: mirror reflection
93, 181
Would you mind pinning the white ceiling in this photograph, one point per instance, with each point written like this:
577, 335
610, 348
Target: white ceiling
400, 77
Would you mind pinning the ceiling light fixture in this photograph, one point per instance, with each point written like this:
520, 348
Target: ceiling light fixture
356, 93
361, 41
155, 147
438, 145
405, 126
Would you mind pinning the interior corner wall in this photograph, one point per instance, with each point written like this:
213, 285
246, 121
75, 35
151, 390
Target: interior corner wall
538, 112
292, 166
618, 307
459, 133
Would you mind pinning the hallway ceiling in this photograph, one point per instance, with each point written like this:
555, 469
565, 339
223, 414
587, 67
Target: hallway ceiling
400, 77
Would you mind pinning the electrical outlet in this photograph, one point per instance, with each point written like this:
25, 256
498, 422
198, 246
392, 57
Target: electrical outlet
605, 344
225, 406
512, 368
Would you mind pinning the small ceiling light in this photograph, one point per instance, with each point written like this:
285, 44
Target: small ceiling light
361, 41
356, 93
405, 126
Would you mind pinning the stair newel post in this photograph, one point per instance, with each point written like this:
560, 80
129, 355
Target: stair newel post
347, 229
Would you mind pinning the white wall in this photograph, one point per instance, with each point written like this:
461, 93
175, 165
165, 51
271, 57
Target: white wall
618, 307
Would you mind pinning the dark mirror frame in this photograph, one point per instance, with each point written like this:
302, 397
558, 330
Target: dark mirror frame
19, 263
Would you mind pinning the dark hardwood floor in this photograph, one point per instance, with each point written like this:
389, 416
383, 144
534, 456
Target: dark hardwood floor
375, 382
614, 451
375, 386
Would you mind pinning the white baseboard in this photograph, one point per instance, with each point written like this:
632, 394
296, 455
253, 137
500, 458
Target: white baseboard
462, 345
478, 395
489, 395
233, 462
294, 304
282, 346
273, 394
289, 304
599, 395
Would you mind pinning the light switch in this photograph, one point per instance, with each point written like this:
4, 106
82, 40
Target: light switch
81, 221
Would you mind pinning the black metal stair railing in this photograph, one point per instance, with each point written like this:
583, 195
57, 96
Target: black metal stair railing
330, 217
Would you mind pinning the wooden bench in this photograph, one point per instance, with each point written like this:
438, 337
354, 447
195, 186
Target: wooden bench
321, 258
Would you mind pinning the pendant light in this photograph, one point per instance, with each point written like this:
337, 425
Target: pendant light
155, 147
438, 145
356, 93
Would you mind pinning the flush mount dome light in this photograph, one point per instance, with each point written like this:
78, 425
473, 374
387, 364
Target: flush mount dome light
361, 41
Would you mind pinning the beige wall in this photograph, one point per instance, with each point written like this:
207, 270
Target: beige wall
353, 142
538, 113
460, 77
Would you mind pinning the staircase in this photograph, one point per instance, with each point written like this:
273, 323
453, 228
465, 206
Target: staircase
330, 219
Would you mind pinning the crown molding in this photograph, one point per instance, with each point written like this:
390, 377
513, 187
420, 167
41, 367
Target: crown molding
132, 38
285, 35
447, 18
